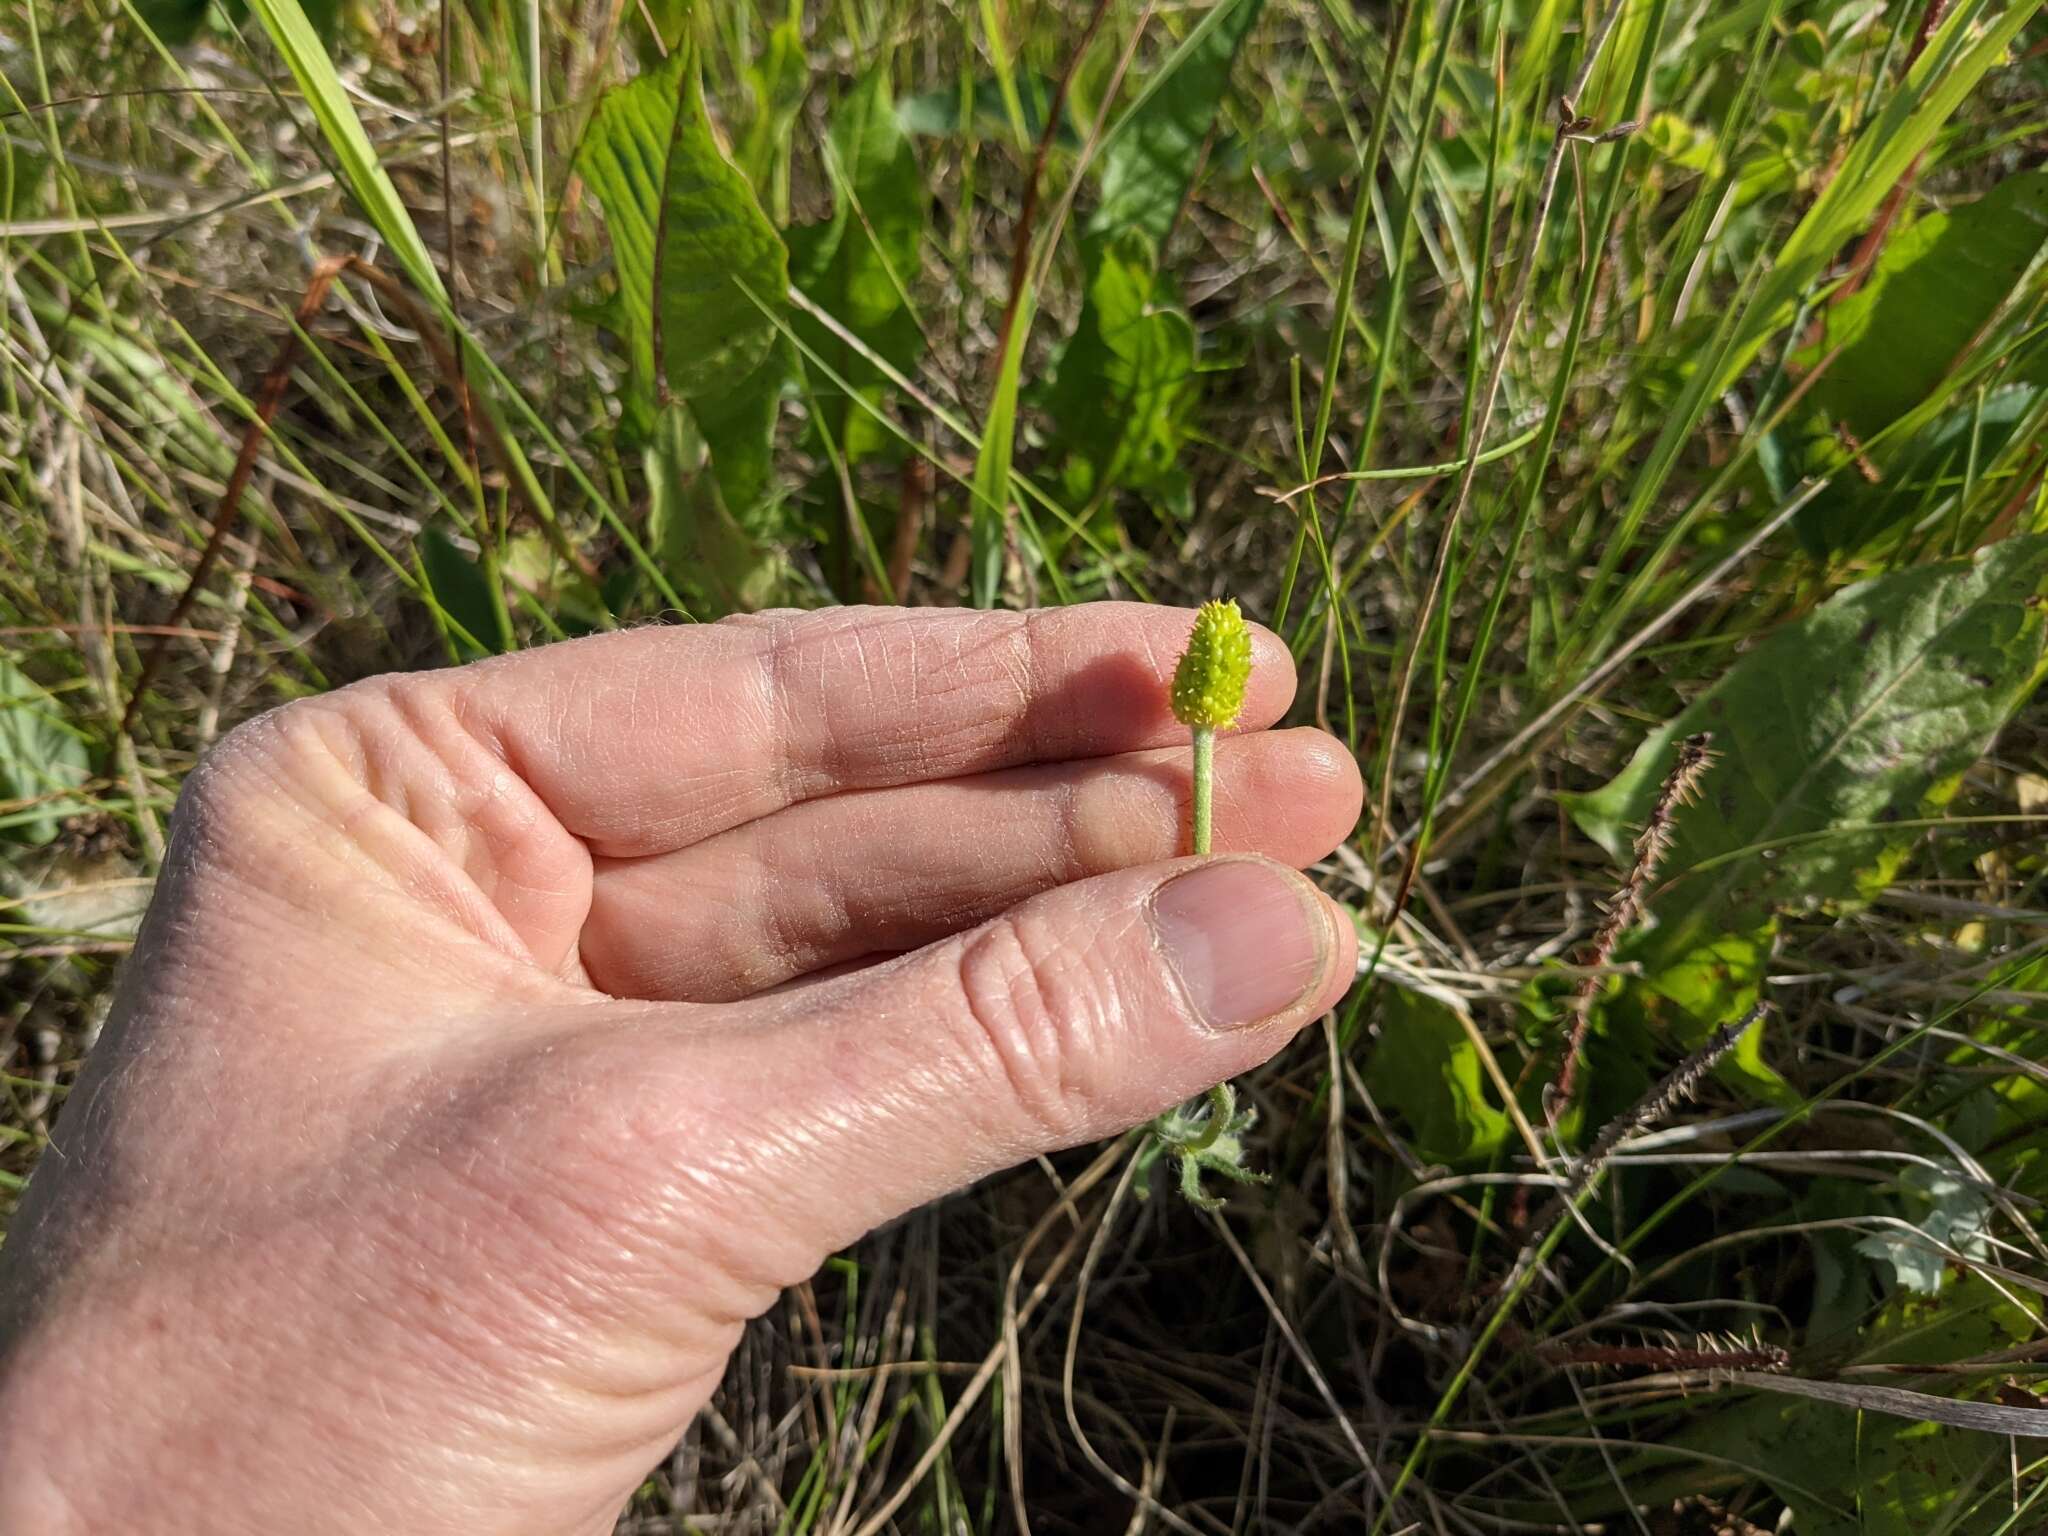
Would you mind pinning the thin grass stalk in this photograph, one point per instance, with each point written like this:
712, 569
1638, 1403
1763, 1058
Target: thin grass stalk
1568, 128
1347, 283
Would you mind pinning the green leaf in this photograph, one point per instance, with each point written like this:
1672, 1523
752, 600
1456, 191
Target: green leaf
1126, 386
1679, 1003
1808, 44
936, 114
176, 22
41, 758
1918, 469
724, 278
1932, 292
457, 588
859, 265
1425, 1068
739, 428
671, 197
1150, 156
1863, 713
1963, 49
717, 564
622, 159
989, 521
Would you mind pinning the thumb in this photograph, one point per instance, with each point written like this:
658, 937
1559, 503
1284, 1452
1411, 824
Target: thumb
1072, 1017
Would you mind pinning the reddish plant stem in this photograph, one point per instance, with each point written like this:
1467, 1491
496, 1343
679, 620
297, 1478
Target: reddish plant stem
1871, 246
269, 400
1027, 214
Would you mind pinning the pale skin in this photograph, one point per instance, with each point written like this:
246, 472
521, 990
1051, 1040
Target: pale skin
500, 1039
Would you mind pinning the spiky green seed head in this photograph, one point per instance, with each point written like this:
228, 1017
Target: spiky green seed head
1209, 683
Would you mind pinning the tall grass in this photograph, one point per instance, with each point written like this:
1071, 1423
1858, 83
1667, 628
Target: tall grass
1558, 379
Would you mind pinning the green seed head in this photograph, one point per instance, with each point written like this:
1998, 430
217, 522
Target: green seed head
1209, 683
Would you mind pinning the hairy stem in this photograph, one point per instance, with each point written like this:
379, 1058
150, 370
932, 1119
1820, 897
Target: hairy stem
1205, 785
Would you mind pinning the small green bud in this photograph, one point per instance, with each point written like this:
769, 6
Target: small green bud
1209, 683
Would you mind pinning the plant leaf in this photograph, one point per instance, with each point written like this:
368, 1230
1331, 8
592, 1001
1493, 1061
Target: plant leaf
457, 589
672, 197
724, 274
1424, 1067
1860, 714
989, 520
622, 159
1126, 385
715, 562
1150, 156
859, 265
1682, 1000
40, 758
1932, 291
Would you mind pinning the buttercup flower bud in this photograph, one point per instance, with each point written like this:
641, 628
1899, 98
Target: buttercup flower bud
1209, 684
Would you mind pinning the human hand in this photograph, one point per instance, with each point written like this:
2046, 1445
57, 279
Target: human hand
501, 1038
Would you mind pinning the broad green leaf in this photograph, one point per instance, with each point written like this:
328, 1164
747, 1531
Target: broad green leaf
1151, 155
739, 427
936, 114
1848, 1474
717, 564
989, 520
41, 758
777, 85
1963, 49
1918, 472
458, 589
1126, 385
671, 198
1863, 713
1424, 1067
859, 265
622, 159
1683, 999
177, 22
724, 276
1932, 292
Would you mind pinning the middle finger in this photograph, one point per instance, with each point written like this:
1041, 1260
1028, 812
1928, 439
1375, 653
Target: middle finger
829, 881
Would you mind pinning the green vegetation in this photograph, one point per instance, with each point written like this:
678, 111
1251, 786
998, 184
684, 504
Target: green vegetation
1562, 382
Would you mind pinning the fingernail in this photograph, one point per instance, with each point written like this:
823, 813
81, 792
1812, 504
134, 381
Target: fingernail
1243, 938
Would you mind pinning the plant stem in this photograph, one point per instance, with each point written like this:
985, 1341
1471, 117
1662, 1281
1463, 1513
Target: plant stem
1205, 775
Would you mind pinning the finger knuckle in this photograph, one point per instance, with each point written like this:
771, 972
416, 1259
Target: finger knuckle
1041, 1010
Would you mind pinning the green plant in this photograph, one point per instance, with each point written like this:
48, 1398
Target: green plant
1208, 695
1716, 402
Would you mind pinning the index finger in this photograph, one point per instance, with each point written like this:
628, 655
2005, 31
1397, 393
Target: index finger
648, 740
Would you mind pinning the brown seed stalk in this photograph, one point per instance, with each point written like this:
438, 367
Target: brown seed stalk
1651, 846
